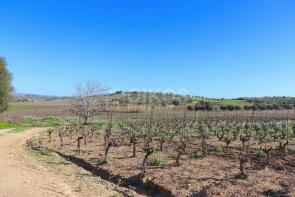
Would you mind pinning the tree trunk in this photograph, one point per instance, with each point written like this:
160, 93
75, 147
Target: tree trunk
285, 145
106, 153
134, 149
242, 167
268, 157
61, 139
85, 140
204, 147
86, 120
49, 134
161, 145
149, 151
79, 144
178, 157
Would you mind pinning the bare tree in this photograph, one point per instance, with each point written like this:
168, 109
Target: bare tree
90, 100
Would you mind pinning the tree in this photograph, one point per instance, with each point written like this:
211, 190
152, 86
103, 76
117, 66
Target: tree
190, 108
176, 101
90, 100
5, 85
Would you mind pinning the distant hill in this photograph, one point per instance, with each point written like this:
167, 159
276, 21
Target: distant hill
124, 98
24, 97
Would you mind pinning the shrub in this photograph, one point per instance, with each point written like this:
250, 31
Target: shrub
218, 149
230, 107
157, 161
190, 108
248, 107
291, 149
176, 102
270, 107
223, 107
260, 153
237, 107
173, 155
197, 155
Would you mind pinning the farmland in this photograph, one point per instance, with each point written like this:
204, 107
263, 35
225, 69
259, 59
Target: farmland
184, 153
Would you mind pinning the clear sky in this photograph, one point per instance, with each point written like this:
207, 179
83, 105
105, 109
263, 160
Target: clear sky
213, 48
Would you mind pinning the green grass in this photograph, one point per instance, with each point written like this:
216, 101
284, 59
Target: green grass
32, 122
197, 155
157, 161
41, 122
260, 153
219, 100
18, 130
7, 125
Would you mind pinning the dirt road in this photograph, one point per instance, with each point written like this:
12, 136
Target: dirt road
27, 174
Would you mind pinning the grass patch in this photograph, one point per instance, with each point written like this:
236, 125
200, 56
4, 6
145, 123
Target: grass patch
173, 155
291, 149
197, 155
218, 148
7, 125
17, 130
157, 161
260, 153
219, 100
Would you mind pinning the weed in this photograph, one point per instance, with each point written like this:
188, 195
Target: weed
173, 155
291, 149
260, 153
157, 161
197, 155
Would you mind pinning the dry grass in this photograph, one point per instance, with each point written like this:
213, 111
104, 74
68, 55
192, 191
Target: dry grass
18, 111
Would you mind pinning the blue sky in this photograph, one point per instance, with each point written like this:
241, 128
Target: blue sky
213, 48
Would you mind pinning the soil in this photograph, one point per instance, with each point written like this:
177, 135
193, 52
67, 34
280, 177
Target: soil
26, 173
213, 175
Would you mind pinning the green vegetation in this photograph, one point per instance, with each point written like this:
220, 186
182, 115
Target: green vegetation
291, 149
7, 125
5, 85
41, 122
260, 153
157, 161
197, 155
199, 99
32, 122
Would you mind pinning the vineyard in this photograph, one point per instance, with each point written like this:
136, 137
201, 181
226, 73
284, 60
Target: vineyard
185, 154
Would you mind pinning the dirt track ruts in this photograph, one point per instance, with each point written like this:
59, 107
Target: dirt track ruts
25, 176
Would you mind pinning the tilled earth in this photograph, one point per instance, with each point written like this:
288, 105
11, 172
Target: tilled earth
213, 175
25, 173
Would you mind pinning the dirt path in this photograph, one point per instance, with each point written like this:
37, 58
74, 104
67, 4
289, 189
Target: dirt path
28, 174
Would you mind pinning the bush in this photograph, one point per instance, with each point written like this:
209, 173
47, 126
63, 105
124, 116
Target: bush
202, 106
260, 153
157, 161
248, 107
270, 107
190, 108
237, 107
261, 106
223, 107
176, 102
230, 107
276, 106
218, 149
173, 155
197, 155
291, 149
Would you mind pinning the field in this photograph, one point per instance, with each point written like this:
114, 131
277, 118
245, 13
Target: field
157, 150
20, 110
188, 154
